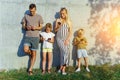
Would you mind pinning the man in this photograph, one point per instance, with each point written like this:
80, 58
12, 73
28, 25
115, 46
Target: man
32, 23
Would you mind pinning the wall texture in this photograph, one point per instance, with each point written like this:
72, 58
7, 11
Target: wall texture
99, 18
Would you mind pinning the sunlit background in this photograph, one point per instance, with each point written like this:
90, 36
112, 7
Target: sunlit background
105, 24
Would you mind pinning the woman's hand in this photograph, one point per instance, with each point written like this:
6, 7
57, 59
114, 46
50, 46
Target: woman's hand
57, 25
66, 42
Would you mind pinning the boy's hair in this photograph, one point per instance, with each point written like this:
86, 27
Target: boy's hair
31, 6
79, 31
48, 25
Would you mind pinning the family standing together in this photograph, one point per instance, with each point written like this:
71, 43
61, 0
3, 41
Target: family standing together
32, 23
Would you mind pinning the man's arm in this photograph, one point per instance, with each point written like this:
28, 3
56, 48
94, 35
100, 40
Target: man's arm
23, 26
23, 22
38, 27
70, 31
40, 24
57, 25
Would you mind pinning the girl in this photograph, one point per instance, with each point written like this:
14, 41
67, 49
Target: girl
80, 42
48, 39
63, 29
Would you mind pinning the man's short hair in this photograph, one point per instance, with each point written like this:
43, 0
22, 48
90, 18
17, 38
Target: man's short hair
31, 6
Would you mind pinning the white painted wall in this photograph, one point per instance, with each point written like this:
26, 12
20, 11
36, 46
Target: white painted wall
83, 13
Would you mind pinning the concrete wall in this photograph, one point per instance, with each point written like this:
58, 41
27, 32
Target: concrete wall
95, 16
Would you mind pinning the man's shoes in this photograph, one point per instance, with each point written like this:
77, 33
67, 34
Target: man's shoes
30, 73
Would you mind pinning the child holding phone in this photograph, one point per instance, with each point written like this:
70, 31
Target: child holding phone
48, 39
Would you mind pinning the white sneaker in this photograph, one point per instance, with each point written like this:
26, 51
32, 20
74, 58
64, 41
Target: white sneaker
77, 70
59, 71
64, 73
88, 70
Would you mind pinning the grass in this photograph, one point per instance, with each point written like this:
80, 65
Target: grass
104, 72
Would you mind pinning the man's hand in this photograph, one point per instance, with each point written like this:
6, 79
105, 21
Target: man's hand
32, 28
28, 28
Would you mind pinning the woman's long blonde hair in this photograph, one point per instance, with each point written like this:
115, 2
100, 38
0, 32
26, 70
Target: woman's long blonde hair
68, 21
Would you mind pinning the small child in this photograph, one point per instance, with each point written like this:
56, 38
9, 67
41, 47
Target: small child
80, 42
48, 39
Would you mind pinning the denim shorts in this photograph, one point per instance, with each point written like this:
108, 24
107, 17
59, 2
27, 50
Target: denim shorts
82, 53
32, 42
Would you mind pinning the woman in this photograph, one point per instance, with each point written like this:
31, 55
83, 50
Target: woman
63, 28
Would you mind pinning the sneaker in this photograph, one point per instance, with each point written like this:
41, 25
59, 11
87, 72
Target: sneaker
88, 70
77, 70
59, 71
64, 73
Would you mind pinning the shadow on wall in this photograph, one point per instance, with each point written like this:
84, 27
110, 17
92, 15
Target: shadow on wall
21, 52
74, 51
56, 51
104, 21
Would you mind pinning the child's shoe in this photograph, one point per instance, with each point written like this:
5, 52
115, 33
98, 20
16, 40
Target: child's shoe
49, 71
43, 72
64, 73
77, 70
59, 71
88, 70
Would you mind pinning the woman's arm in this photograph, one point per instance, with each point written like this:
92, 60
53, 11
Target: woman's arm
57, 25
70, 31
66, 42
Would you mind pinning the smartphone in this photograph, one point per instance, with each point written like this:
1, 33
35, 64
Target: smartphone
49, 38
59, 23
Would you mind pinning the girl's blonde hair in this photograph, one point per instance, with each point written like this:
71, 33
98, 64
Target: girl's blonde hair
48, 25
